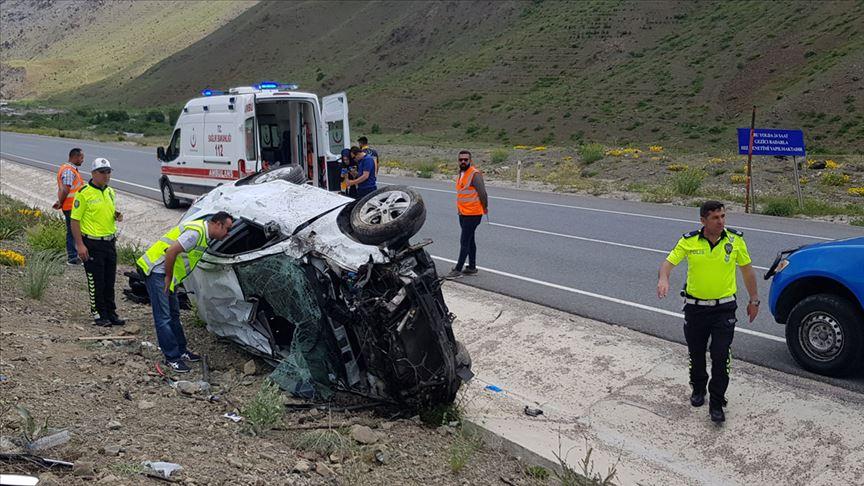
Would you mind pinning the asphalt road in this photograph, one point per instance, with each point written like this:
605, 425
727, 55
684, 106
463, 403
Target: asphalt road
585, 255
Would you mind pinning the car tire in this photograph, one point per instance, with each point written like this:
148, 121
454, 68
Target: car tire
825, 335
389, 216
168, 199
289, 173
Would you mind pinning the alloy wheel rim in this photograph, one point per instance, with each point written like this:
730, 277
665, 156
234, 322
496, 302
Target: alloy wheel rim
385, 207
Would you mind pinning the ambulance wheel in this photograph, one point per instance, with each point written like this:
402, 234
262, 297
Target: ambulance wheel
389, 216
168, 198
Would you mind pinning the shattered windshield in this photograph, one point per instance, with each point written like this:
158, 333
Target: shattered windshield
290, 317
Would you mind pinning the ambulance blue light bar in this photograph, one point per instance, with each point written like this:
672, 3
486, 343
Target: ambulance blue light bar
211, 92
272, 85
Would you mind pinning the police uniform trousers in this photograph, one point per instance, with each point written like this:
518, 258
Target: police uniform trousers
714, 325
101, 272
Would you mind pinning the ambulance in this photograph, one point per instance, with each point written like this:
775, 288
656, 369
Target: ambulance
224, 136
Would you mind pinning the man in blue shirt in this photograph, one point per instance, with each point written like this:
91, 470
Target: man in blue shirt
365, 181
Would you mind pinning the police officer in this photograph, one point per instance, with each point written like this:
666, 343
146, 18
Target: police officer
712, 254
94, 225
166, 264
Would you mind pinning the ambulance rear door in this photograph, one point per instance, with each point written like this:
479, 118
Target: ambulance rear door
334, 113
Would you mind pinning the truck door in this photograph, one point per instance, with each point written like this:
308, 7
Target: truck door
334, 113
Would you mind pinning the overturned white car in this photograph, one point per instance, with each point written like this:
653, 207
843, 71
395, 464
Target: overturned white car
330, 290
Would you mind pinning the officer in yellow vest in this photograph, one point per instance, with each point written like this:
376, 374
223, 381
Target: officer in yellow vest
712, 254
94, 226
472, 203
166, 264
69, 181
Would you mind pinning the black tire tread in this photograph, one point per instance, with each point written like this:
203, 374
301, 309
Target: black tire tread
852, 358
398, 231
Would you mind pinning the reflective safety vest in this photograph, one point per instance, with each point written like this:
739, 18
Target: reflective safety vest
467, 199
77, 183
186, 261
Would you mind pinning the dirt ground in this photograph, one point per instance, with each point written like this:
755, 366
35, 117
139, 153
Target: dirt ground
120, 412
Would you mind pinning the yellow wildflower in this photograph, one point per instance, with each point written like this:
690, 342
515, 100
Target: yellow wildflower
676, 167
830, 164
615, 152
856, 191
738, 179
11, 258
521, 147
655, 148
716, 160
539, 148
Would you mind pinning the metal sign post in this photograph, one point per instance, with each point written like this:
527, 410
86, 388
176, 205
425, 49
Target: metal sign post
798, 183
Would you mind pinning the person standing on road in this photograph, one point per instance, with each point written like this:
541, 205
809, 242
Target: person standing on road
94, 226
69, 181
472, 203
166, 264
366, 180
712, 254
364, 146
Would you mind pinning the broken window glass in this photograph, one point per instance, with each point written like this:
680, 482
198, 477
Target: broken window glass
284, 292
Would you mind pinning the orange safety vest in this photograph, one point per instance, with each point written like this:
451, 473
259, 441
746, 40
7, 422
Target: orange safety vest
77, 183
467, 199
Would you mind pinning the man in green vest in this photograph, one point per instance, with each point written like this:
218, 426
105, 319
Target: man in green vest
166, 264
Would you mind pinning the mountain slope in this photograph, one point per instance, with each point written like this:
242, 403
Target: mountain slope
50, 47
676, 72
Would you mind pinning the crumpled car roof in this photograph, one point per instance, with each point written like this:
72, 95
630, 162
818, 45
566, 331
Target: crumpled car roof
289, 205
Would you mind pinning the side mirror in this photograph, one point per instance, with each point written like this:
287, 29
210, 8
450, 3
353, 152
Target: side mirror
160, 153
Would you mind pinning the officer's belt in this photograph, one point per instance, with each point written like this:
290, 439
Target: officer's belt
100, 238
709, 302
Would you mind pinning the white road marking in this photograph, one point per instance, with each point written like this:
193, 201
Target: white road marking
609, 299
627, 213
57, 165
593, 240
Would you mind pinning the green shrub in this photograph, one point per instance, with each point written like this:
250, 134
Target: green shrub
834, 179
591, 152
48, 236
857, 221
461, 450
265, 410
658, 194
40, 267
687, 182
375, 129
323, 442
128, 254
425, 170
780, 207
500, 155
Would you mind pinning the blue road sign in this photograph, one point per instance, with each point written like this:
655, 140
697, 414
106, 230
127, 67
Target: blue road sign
771, 141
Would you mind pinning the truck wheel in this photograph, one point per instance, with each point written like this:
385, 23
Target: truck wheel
389, 216
825, 334
168, 198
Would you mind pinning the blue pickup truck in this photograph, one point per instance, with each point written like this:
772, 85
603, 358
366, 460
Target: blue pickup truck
818, 293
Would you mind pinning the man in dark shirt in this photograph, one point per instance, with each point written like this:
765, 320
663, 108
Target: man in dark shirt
365, 181
364, 146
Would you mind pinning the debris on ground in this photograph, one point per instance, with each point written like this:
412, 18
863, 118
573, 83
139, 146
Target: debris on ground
160, 468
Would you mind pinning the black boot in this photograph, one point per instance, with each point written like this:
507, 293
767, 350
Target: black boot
697, 399
716, 413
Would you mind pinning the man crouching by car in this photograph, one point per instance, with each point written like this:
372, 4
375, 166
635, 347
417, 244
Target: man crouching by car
167, 263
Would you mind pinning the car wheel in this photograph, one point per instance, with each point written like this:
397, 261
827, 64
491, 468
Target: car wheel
825, 334
391, 215
290, 173
168, 198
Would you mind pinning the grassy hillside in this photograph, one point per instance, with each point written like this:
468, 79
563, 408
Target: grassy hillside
51, 47
680, 73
